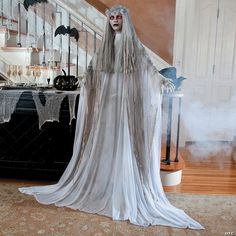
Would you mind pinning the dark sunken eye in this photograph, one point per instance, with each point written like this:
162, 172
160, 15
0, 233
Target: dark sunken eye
119, 17
112, 17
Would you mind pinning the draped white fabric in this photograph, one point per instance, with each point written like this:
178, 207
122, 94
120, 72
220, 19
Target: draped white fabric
115, 167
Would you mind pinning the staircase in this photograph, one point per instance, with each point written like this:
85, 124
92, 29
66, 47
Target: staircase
29, 51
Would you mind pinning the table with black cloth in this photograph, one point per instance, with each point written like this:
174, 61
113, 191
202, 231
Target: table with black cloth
36, 132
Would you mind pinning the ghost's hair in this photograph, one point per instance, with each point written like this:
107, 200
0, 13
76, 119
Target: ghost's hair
129, 45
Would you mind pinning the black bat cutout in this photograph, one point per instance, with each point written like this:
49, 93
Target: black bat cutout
67, 30
74, 33
28, 3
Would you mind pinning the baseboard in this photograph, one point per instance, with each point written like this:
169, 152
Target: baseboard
209, 142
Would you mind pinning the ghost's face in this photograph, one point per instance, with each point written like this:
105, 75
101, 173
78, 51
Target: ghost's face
116, 21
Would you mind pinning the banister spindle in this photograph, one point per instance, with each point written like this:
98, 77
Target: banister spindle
69, 16
35, 26
86, 49
2, 12
19, 25
60, 44
94, 42
44, 36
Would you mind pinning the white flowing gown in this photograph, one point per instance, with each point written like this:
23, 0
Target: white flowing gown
115, 167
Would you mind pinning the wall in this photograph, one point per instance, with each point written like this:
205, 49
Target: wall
154, 22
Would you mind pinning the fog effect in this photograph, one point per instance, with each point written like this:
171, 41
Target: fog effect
208, 124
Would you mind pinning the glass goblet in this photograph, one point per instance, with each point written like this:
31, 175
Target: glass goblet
48, 80
20, 71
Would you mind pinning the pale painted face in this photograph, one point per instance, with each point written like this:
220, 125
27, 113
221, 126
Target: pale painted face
116, 21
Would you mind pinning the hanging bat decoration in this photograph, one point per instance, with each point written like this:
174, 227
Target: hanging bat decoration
67, 30
67, 82
28, 3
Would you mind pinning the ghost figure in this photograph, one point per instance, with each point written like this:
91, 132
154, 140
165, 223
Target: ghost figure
115, 166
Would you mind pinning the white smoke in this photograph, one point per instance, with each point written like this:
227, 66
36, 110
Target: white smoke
211, 127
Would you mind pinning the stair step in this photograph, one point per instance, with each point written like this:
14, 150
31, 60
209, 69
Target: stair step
5, 18
13, 39
14, 49
12, 31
